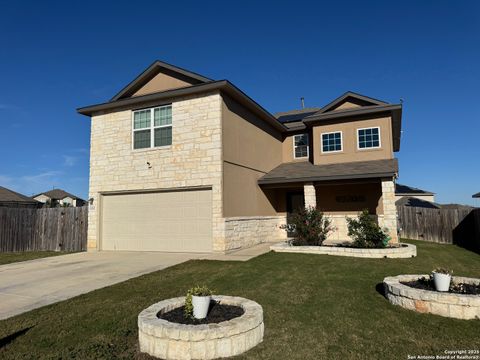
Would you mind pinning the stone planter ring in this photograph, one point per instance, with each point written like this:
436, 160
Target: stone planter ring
168, 340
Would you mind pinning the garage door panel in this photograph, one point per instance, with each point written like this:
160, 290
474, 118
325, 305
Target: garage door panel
158, 221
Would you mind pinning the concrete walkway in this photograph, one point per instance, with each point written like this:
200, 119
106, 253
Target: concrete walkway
32, 284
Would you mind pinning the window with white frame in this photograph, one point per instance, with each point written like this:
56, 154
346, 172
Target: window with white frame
152, 127
369, 138
300, 146
332, 142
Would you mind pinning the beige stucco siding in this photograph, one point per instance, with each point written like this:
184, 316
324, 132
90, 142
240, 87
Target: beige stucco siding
242, 195
193, 159
251, 148
346, 106
161, 82
350, 150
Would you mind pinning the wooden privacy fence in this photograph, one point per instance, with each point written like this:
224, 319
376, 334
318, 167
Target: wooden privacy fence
450, 226
55, 229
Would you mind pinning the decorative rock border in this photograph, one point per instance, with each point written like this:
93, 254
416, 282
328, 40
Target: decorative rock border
402, 251
167, 340
446, 304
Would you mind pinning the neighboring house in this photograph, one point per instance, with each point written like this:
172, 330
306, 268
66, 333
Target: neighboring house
10, 198
180, 162
59, 197
416, 202
411, 192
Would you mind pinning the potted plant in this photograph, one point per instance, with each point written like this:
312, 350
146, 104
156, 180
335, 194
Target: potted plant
442, 278
197, 302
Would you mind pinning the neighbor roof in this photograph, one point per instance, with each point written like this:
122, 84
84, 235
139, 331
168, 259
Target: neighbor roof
477, 195
410, 190
10, 196
58, 194
415, 202
306, 171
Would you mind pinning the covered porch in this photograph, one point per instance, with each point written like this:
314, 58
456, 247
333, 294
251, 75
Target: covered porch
338, 190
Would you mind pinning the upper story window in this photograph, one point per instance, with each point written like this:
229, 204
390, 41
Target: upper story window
152, 127
332, 142
369, 138
300, 146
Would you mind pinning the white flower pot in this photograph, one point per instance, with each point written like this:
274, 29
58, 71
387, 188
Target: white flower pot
200, 306
441, 281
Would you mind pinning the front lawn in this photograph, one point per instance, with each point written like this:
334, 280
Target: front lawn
315, 307
12, 257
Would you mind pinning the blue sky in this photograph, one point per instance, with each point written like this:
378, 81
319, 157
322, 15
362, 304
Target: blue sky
57, 56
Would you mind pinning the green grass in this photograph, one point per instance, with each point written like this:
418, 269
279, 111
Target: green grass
315, 306
13, 257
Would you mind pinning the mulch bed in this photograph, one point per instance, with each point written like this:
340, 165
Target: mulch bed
216, 314
459, 288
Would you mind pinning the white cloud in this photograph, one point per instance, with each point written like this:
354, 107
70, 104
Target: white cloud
32, 184
69, 160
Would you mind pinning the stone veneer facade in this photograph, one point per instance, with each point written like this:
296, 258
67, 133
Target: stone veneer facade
389, 217
247, 231
193, 160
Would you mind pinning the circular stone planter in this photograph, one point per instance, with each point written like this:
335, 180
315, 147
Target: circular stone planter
459, 306
402, 251
167, 340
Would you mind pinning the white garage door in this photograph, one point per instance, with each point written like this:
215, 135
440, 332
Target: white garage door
158, 221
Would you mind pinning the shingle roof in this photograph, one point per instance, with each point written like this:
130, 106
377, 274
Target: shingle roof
58, 194
477, 195
295, 115
7, 195
411, 201
306, 171
410, 190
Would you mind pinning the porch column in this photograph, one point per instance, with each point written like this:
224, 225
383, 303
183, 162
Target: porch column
309, 195
389, 209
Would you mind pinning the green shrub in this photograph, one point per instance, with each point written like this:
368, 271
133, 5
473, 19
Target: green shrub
194, 291
309, 227
366, 233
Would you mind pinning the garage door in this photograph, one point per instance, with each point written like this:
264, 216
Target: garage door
158, 221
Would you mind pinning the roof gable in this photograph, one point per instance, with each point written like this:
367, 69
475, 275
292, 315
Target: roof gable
160, 76
350, 100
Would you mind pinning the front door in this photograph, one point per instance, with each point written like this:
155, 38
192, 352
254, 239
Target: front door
295, 201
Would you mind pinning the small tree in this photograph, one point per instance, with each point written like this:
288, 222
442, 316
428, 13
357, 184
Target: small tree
366, 233
309, 227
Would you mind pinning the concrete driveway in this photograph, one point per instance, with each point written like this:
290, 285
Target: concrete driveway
32, 284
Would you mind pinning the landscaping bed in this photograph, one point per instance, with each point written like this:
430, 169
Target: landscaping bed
453, 304
177, 341
400, 251
217, 313
425, 283
314, 307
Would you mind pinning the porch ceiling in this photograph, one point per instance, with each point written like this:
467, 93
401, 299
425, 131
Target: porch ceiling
306, 171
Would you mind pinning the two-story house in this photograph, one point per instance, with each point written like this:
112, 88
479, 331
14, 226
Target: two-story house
180, 162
